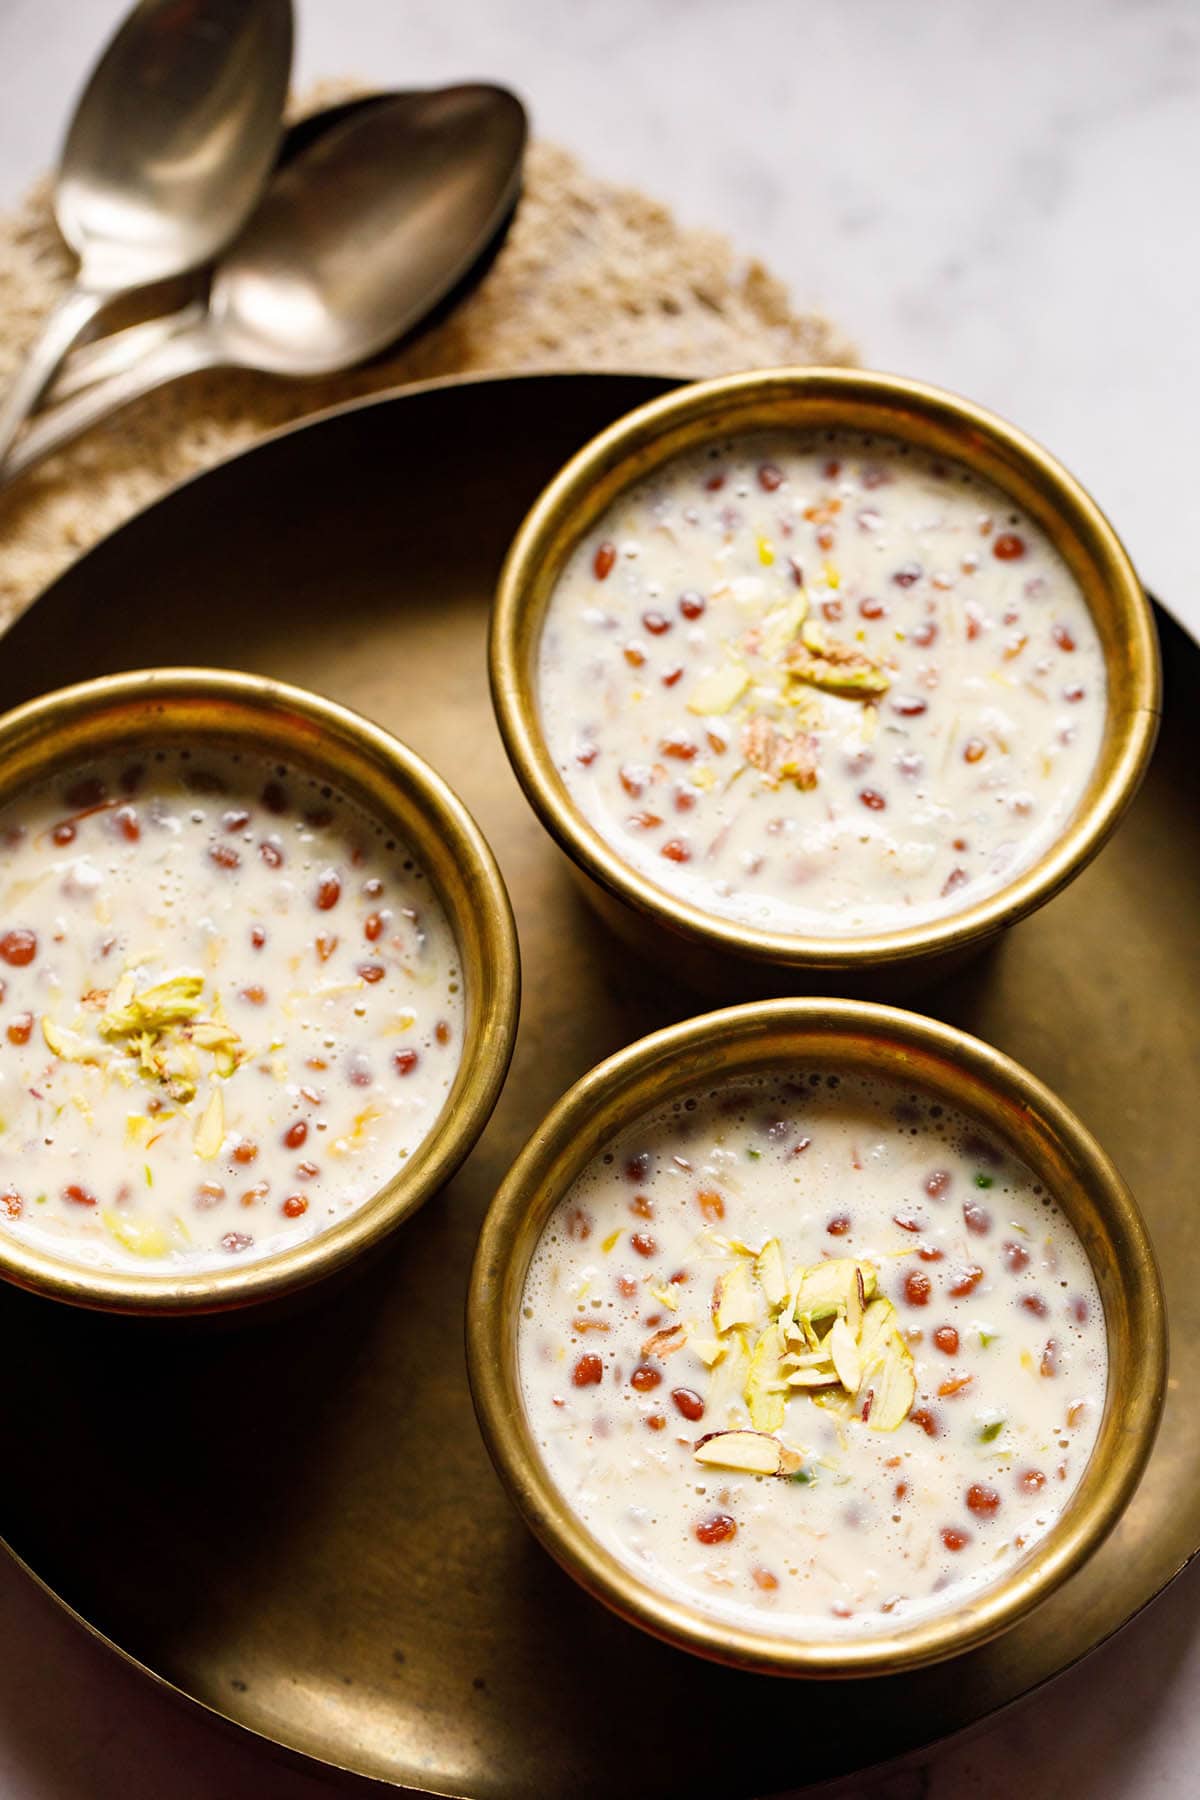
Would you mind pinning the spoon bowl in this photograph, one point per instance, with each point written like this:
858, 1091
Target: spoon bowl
173, 138
361, 236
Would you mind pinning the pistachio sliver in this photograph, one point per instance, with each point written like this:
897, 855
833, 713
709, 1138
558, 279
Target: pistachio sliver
171, 1002
782, 625
822, 1376
765, 1399
829, 1287
212, 1034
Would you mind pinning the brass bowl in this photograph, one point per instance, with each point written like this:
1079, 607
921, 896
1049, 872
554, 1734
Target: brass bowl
722, 954
872, 1040
147, 708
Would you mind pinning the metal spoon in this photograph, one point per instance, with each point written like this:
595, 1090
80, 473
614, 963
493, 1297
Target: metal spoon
185, 299
171, 142
355, 242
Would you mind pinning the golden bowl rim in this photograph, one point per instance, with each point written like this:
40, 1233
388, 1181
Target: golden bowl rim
695, 411
933, 1055
323, 730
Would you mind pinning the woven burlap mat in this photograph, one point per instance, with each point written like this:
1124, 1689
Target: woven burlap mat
591, 276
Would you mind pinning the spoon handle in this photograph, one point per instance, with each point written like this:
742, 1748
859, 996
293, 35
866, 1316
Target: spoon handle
74, 311
181, 354
118, 351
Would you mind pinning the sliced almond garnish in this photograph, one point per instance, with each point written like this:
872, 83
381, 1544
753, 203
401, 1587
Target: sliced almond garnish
209, 1134
895, 1386
856, 1303
878, 1321
734, 1301
717, 692
68, 1044
751, 1452
665, 1342
709, 1350
888, 1384
770, 1273
844, 1351
832, 1336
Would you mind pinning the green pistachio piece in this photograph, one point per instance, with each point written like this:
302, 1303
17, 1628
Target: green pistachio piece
764, 1390
169, 1002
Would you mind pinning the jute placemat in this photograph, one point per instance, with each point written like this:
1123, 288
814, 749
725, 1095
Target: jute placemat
592, 276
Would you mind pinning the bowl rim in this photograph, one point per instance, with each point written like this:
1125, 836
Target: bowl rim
85, 719
623, 451
931, 1054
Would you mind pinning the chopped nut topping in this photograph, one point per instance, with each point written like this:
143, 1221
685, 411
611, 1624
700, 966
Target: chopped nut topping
159, 1027
835, 667
779, 755
665, 1342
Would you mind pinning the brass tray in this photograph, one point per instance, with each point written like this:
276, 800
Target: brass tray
295, 1523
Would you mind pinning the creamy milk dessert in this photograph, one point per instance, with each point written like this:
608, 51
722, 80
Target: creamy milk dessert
230, 1009
821, 683
811, 1354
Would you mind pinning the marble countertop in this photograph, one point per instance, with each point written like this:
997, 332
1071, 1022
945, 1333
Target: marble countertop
996, 199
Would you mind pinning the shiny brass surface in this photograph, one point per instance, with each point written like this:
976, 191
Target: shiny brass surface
797, 399
141, 711
847, 1037
297, 1524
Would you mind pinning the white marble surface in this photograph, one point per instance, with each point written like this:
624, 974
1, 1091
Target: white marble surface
998, 198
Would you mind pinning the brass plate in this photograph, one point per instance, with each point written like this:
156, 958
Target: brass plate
295, 1523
